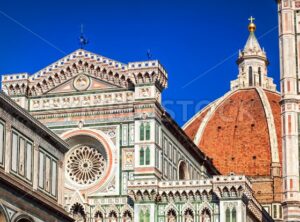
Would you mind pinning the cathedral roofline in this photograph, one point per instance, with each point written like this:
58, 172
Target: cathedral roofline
83, 54
79, 62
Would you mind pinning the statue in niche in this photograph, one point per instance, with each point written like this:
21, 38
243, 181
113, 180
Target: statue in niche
66, 102
129, 158
36, 104
86, 101
129, 96
46, 103
145, 92
55, 103
119, 97
97, 99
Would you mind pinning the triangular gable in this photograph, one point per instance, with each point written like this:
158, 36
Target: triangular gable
102, 73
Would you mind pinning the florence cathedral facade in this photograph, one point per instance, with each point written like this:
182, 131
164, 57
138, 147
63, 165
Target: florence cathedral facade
87, 139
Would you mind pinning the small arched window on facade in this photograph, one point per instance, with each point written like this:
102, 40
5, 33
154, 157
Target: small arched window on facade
142, 156
141, 216
259, 76
227, 215
144, 216
147, 131
144, 131
233, 215
142, 134
250, 76
147, 155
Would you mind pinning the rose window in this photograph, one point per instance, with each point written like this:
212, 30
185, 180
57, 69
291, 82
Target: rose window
85, 165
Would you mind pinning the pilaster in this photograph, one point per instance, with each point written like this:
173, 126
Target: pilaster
8, 134
289, 18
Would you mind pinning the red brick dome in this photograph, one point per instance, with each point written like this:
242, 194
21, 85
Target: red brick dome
241, 131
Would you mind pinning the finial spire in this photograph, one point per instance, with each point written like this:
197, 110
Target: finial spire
149, 54
82, 40
251, 26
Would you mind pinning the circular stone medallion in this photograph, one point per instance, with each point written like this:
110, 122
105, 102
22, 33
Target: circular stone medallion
81, 82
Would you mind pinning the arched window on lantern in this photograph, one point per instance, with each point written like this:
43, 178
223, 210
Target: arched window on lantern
250, 76
259, 76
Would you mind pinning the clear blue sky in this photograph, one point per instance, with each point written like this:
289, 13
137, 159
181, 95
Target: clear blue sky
190, 38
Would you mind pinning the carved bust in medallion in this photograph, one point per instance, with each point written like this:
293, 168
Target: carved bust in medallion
81, 82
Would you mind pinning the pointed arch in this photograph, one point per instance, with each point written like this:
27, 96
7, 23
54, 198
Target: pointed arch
225, 192
147, 77
127, 216
188, 215
206, 215
77, 211
99, 216
112, 216
171, 216
233, 192
140, 78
